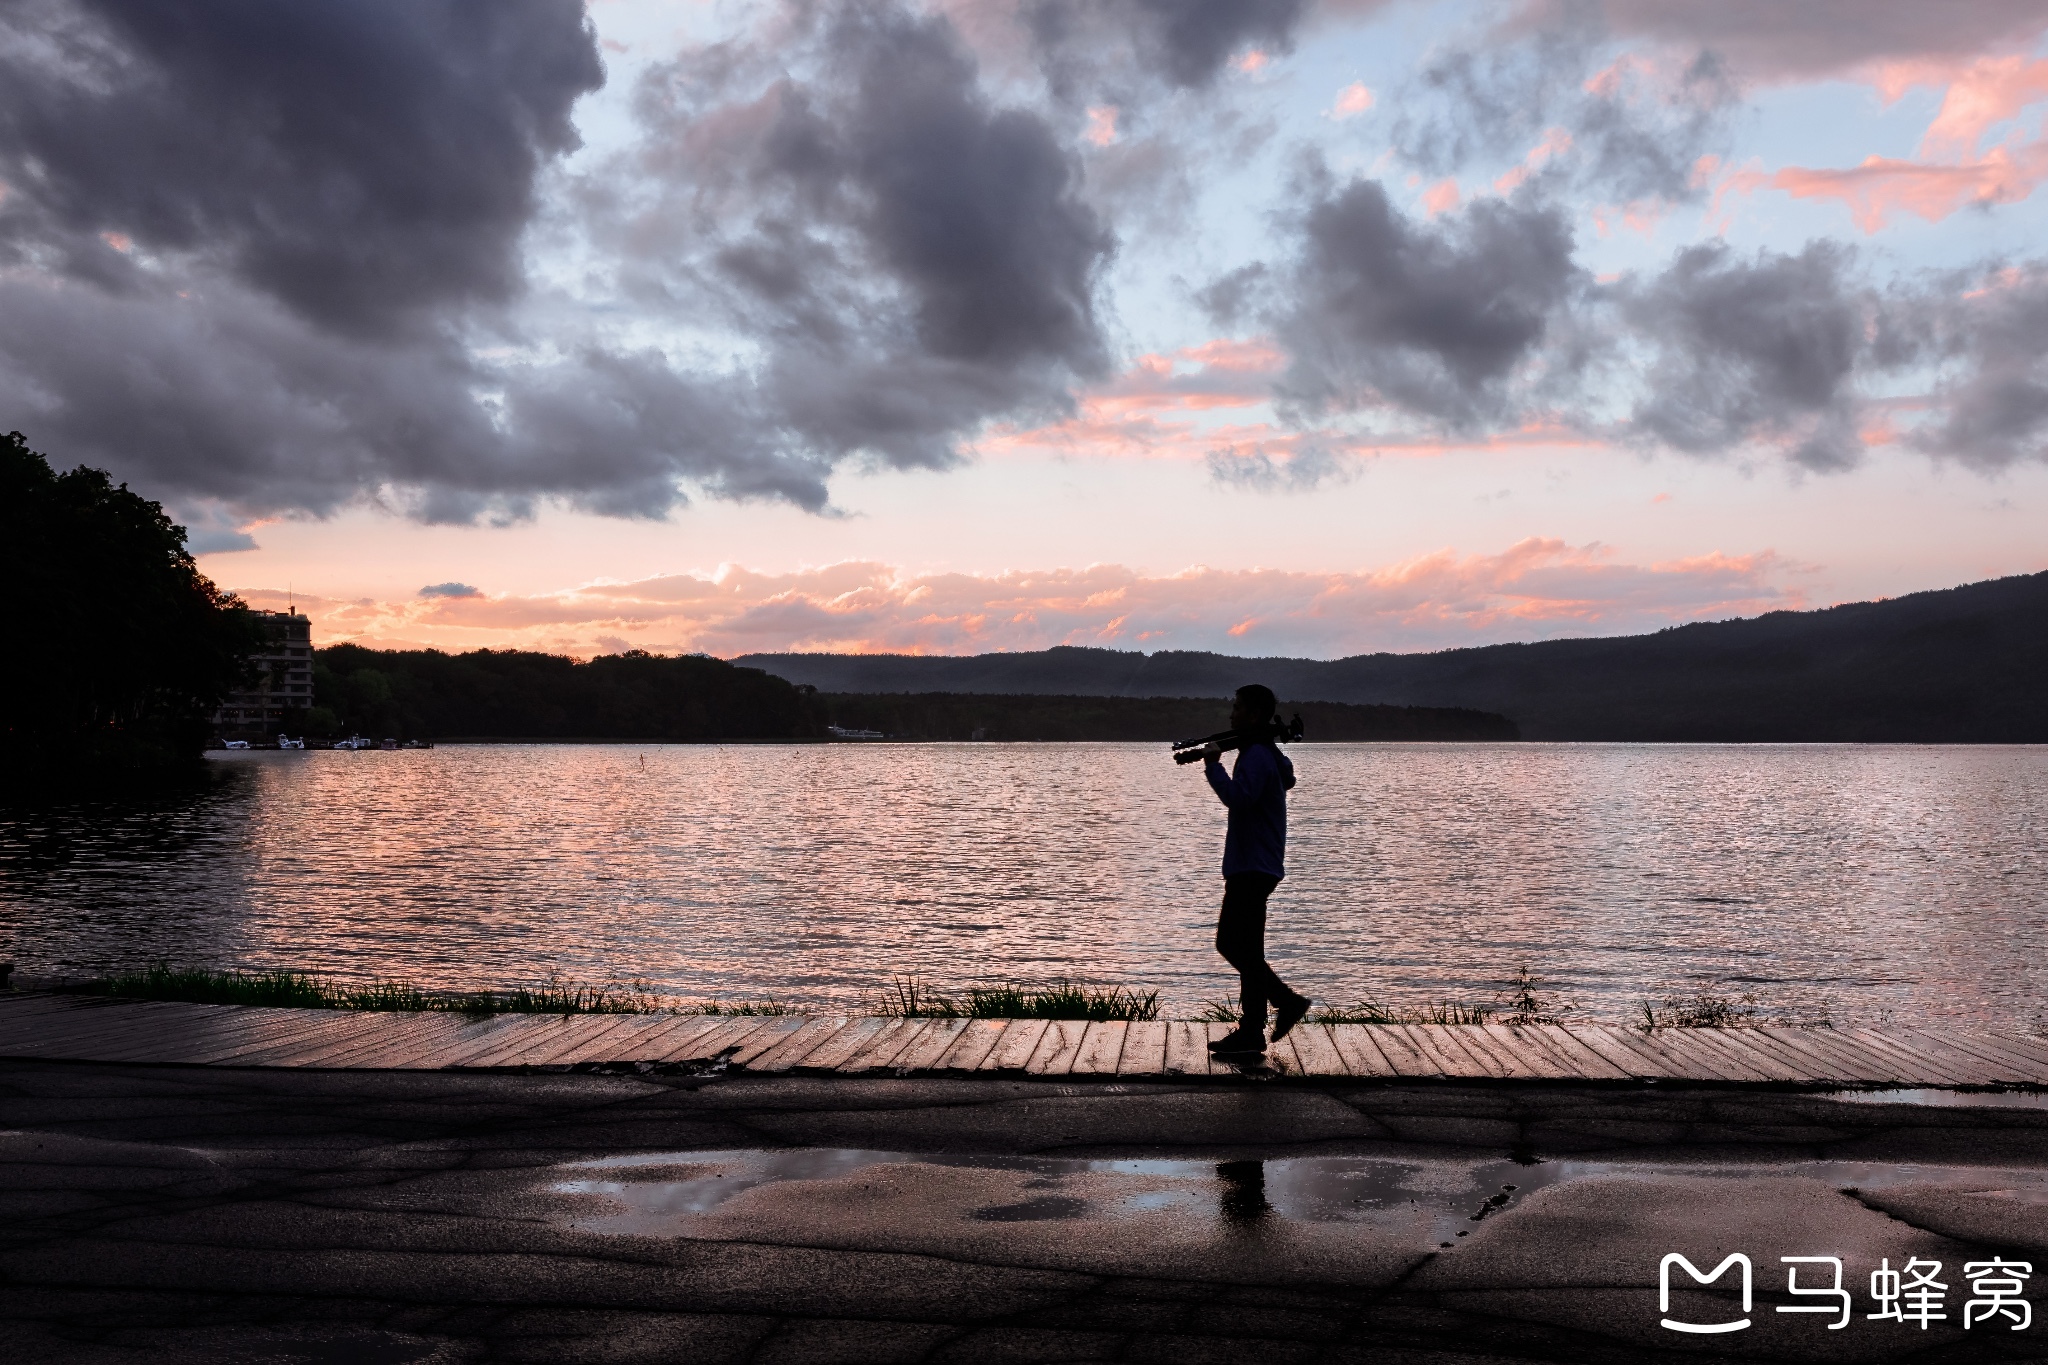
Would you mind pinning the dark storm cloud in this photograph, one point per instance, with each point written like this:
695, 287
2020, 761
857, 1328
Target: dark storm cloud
449, 590
1637, 130
1433, 318
365, 161
1182, 42
1993, 401
1764, 350
910, 259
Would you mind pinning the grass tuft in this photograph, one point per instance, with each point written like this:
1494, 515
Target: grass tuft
300, 990
739, 1008
1526, 998
909, 998
1374, 1012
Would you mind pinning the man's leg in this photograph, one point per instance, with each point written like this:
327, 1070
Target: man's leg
1241, 938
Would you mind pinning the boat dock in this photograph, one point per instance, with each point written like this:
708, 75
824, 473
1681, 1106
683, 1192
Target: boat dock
93, 1029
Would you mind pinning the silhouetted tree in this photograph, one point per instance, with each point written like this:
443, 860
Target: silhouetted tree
118, 649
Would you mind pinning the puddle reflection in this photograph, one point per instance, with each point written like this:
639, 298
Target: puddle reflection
659, 1194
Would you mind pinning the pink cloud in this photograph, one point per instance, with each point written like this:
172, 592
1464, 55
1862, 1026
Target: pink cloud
1883, 187
1556, 142
1538, 588
1353, 100
1442, 197
1978, 95
1101, 125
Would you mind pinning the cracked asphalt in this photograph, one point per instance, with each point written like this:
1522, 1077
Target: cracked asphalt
221, 1215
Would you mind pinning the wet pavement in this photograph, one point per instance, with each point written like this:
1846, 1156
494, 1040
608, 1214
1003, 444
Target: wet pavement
216, 1214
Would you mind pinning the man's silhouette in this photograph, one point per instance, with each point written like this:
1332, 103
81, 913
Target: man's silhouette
1254, 861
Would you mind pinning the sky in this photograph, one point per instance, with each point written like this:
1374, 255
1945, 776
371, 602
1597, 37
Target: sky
1296, 327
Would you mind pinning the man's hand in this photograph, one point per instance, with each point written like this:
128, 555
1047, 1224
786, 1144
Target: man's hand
1211, 752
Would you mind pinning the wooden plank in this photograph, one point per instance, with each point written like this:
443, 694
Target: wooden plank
2034, 1048
1282, 1057
512, 1034
418, 1042
1571, 1056
651, 1044
973, 1046
1844, 1059
789, 1051
932, 1043
1187, 1049
1362, 1057
1442, 1062
353, 1034
1102, 1046
854, 1038
1319, 1056
171, 1040
1473, 1042
577, 1032
600, 1042
1794, 1063
1020, 1041
723, 1041
1935, 1045
1057, 1050
1683, 1057
1407, 1060
1144, 1049
118, 1025
1745, 1061
308, 1035
1622, 1047
1922, 1065
2025, 1070
882, 1048
773, 1032
1532, 1061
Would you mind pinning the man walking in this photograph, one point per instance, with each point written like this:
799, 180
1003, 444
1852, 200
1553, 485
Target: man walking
1254, 852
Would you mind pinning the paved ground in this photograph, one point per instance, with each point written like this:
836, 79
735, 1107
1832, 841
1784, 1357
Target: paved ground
240, 1215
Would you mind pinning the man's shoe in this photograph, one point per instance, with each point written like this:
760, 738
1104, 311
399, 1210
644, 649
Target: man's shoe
1287, 1014
1239, 1040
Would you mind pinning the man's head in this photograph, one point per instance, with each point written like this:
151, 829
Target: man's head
1253, 705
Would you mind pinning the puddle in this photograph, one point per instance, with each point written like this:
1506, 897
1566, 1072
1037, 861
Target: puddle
1946, 1099
660, 1194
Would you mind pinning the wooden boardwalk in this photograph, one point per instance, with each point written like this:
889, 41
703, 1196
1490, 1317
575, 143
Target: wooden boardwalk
84, 1028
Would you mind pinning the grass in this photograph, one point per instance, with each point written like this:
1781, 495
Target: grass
740, 1008
301, 990
1707, 1009
908, 998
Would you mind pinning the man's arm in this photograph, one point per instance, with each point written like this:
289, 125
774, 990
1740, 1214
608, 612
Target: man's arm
1255, 769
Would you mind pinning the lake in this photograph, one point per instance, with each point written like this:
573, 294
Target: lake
1871, 884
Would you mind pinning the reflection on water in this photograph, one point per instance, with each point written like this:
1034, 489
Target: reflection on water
1436, 1202
1900, 880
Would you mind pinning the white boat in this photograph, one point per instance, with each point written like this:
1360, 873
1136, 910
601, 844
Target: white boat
284, 742
355, 742
238, 744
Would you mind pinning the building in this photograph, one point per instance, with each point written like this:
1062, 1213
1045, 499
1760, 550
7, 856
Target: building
284, 681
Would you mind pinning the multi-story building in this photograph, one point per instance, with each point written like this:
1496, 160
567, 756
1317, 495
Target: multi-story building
284, 681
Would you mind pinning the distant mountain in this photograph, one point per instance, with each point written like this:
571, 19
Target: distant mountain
1968, 664
991, 716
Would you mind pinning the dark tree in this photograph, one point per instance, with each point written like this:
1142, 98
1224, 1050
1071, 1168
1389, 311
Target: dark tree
117, 648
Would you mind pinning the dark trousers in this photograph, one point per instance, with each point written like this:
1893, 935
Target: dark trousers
1241, 938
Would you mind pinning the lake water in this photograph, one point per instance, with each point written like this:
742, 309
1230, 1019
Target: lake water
1872, 883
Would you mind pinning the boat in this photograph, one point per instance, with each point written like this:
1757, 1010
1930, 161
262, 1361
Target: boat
355, 742
846, 732
237, 744
286, 742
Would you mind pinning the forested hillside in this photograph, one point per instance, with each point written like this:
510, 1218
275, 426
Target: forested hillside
1968, 664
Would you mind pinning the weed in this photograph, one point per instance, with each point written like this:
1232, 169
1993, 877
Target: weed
1524, 1000
908, 998
1374, 1012
301, 990
739, 1007
1702, 1010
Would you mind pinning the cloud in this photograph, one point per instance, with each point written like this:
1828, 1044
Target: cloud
1813, 38
1624, 126
1991, 406
1431, 320
906, 259
303, 287
1883, 187
366, 162
449, 590
1186, 42
1536, 589
1353, 100
1760, 351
